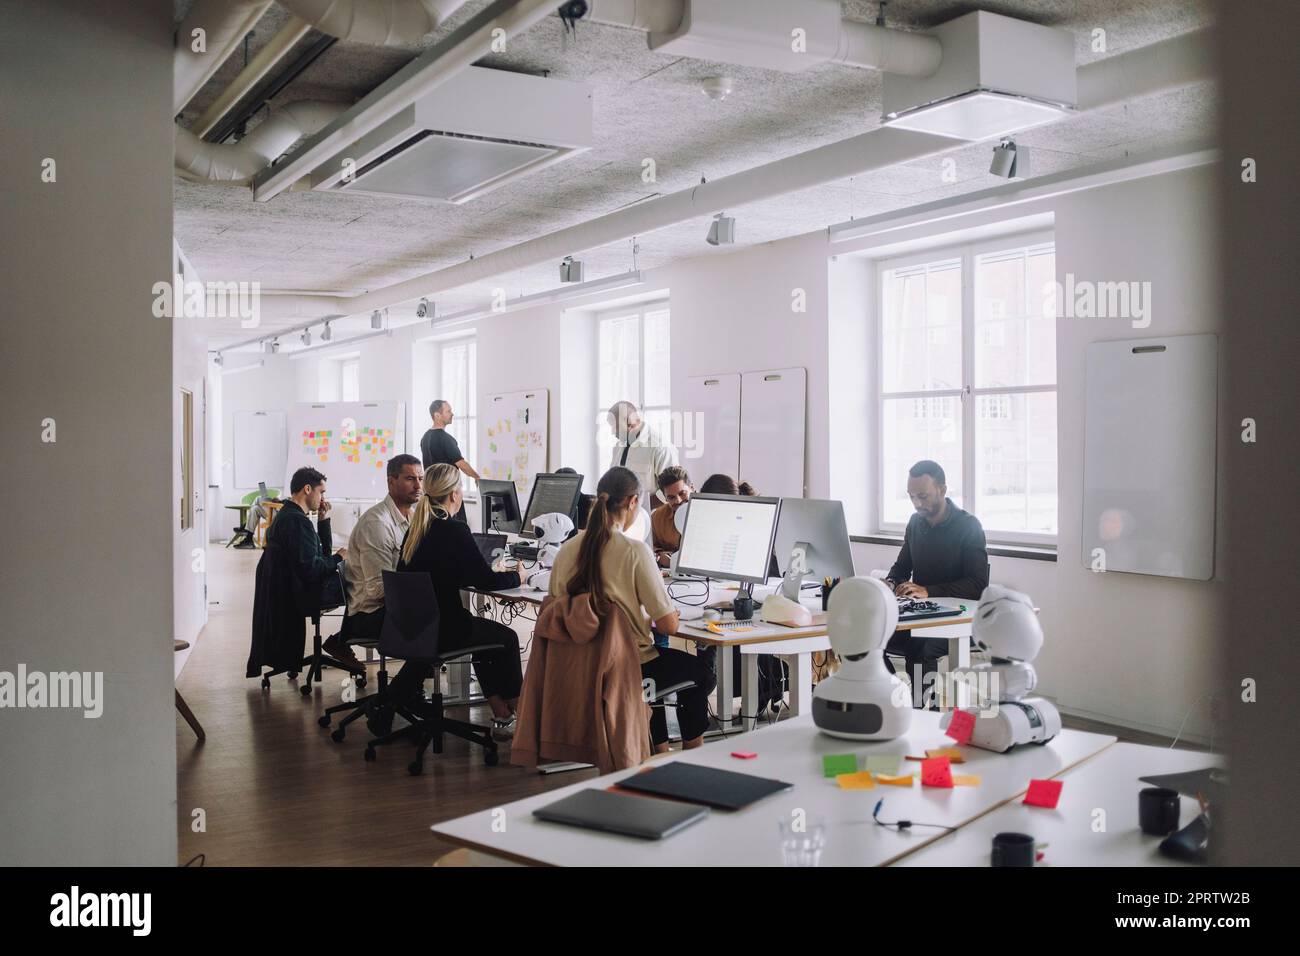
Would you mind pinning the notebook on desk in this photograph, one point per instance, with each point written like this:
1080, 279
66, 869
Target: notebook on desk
709, 786
627, 814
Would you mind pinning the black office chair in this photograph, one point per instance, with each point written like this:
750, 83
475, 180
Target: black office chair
660, 699
314, 662
410, 633
362, 706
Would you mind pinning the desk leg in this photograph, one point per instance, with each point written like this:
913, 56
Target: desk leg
725, 691
800, 683
748, 691
959, 660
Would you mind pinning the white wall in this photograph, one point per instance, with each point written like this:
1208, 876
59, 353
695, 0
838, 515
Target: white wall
189, 562
88, 550
1131, 649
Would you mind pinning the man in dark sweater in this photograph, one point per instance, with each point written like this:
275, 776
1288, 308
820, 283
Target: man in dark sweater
943, 555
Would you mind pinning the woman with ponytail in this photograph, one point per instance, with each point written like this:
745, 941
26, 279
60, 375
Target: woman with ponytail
445, 548
619, 571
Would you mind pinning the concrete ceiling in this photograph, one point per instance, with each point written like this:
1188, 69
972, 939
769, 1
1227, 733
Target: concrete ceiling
649, 105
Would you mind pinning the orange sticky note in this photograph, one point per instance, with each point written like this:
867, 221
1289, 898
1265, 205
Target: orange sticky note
1044, 793
965, 780
936, 772
952, 753
891, 780
961, 726
855, 781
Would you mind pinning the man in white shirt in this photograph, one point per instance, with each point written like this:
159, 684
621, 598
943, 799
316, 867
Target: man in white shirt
639, 448
373, 548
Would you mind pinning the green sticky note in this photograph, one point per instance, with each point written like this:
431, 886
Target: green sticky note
835, 764
888, 764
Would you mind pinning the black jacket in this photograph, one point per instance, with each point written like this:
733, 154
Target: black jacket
451, 557
295, 564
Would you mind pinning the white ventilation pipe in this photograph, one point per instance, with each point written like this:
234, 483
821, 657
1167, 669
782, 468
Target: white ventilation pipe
223, 24
876, 149
237, 163
379, 22
871, 47
261, 64
653, 16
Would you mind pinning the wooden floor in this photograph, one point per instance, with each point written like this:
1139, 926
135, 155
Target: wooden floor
275, 790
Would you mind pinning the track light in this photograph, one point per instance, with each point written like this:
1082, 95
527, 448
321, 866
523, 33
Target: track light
219, 360
422, 310
275, 346
722, 231
326, 334
1010, 161
376, 319
571, 270
306, 336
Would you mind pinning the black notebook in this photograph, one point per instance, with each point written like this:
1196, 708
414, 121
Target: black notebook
724, 789
622, 813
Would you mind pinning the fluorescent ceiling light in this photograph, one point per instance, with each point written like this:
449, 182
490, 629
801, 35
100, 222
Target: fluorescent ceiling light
978, 115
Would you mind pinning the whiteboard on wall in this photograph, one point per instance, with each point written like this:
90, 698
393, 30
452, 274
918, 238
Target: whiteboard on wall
350, 442
1149, 456
513, 438
710, 432
772, 409
260, 447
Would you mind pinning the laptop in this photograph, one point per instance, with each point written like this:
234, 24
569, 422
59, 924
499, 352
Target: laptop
627, 814
491, 546
723, 789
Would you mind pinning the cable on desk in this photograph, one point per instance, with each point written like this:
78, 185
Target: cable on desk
901, 825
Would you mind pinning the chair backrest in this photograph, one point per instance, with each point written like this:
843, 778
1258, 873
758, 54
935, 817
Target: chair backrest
411, 616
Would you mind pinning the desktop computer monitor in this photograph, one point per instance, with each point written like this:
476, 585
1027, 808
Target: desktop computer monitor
552, 494
820, 525
729, 537
499, 503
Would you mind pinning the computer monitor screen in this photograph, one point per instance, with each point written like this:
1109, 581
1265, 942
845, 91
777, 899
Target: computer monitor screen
499, 503
552, 494
729, 537
821, 526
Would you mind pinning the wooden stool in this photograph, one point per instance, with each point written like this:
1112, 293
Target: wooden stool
183, 707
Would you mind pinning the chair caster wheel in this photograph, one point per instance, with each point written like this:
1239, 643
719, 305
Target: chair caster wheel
324, 720
266, 683
338, 735
361, 682
292, 675
415, 769
305, 690
370, 754
490, 758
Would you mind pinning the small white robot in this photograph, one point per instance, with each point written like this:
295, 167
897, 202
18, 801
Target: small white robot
1005, 715
553, 530
862, 700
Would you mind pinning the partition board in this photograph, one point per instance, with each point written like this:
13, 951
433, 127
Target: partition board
350, 442
260, 448
710, 408
773, 405
513, 438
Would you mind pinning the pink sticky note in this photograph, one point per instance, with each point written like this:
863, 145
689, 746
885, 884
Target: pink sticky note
744, 754
961, 726
936, 772
1044, 793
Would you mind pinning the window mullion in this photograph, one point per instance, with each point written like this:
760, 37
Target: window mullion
969, 495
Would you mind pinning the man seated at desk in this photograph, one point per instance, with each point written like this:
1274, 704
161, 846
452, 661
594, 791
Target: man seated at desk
943, 555
675, 488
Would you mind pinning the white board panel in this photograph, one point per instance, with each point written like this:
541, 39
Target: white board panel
710, 409
350, 442
260, 448
1149, 456
772, 409
513, 438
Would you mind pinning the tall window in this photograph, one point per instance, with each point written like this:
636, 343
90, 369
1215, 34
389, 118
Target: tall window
968, 379
633, 365
458, 384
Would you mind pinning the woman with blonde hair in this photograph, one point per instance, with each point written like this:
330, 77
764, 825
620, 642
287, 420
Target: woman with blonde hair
620, 571
445, 548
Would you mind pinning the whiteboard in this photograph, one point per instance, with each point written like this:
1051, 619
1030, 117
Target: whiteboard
1149, 456
772, 409
260, 448
710, 407
513, 438
350, 442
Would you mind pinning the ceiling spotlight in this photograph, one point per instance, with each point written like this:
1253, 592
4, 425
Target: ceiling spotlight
376, 319
306, 336
326, 334
717, 87
422, 309
275, 346
218, 360
571, 270
1010, 161
722, 231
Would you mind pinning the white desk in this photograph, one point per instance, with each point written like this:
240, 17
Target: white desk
1110, 782
792, 751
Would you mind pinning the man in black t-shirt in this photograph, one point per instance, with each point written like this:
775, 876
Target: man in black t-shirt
437, 446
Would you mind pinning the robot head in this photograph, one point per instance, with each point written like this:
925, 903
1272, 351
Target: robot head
552, 528
640, 530
1006, 625
679, 517
861, 617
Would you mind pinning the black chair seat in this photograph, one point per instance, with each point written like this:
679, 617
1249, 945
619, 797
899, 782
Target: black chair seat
660, 694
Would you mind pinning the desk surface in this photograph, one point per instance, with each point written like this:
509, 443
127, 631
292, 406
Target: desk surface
791, 751
1109, 781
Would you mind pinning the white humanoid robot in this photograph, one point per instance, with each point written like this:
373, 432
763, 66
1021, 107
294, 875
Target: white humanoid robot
552, 531
1005, 715
862, 700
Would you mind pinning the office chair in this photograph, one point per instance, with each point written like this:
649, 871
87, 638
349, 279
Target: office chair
410, 633
660, 699
317, 660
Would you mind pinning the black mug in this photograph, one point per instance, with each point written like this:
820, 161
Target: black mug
1158, 810
1013, 849
742, 608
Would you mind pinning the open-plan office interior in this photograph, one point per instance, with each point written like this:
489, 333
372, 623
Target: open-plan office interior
501, 416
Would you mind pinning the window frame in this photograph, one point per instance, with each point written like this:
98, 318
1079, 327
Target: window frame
469, 446
968, 394
638, 311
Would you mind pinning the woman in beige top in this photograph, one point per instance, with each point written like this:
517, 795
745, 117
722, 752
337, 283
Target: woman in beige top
621, 572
